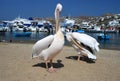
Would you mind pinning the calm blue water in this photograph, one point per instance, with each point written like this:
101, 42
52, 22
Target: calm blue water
8, 36
113, 43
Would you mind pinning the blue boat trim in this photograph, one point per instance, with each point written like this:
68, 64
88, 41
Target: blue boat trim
80, 31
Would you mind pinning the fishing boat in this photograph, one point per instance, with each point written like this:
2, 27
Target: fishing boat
22, 34
2, 29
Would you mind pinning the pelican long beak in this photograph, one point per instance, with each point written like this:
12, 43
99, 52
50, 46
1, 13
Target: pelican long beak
57, 11
57, 20
77, 44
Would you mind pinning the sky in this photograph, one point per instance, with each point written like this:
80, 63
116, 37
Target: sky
10, 9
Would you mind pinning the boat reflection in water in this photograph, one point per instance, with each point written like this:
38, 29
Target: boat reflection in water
104, 37
26, 37
22, 34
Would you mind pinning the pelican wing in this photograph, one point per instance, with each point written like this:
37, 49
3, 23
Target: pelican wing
80, 44
86, 40
88, 53
41, 45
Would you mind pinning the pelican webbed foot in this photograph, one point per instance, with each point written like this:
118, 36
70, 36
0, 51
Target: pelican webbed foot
51, 70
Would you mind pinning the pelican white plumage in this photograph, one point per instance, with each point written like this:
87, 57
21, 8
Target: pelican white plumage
83, 44
48, 47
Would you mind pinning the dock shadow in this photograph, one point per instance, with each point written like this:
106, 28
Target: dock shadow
55, 65
83, 58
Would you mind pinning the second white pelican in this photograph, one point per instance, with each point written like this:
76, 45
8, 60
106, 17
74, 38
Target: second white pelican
83, 44
48, 47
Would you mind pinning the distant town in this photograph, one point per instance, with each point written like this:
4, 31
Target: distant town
108, 22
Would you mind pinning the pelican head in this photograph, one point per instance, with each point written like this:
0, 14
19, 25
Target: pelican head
59, 6
57, 10
68, 36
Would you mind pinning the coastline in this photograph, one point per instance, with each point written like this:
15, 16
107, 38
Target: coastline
16, 65
66, 44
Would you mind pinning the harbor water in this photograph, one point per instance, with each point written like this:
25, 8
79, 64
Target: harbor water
112, 43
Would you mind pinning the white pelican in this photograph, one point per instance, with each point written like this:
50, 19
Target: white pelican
83, 44
48, 47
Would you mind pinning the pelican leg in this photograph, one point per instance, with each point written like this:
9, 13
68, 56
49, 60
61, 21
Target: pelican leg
51, 69
79, 55
46, 63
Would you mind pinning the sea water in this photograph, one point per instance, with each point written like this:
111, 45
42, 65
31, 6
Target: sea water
112, 43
